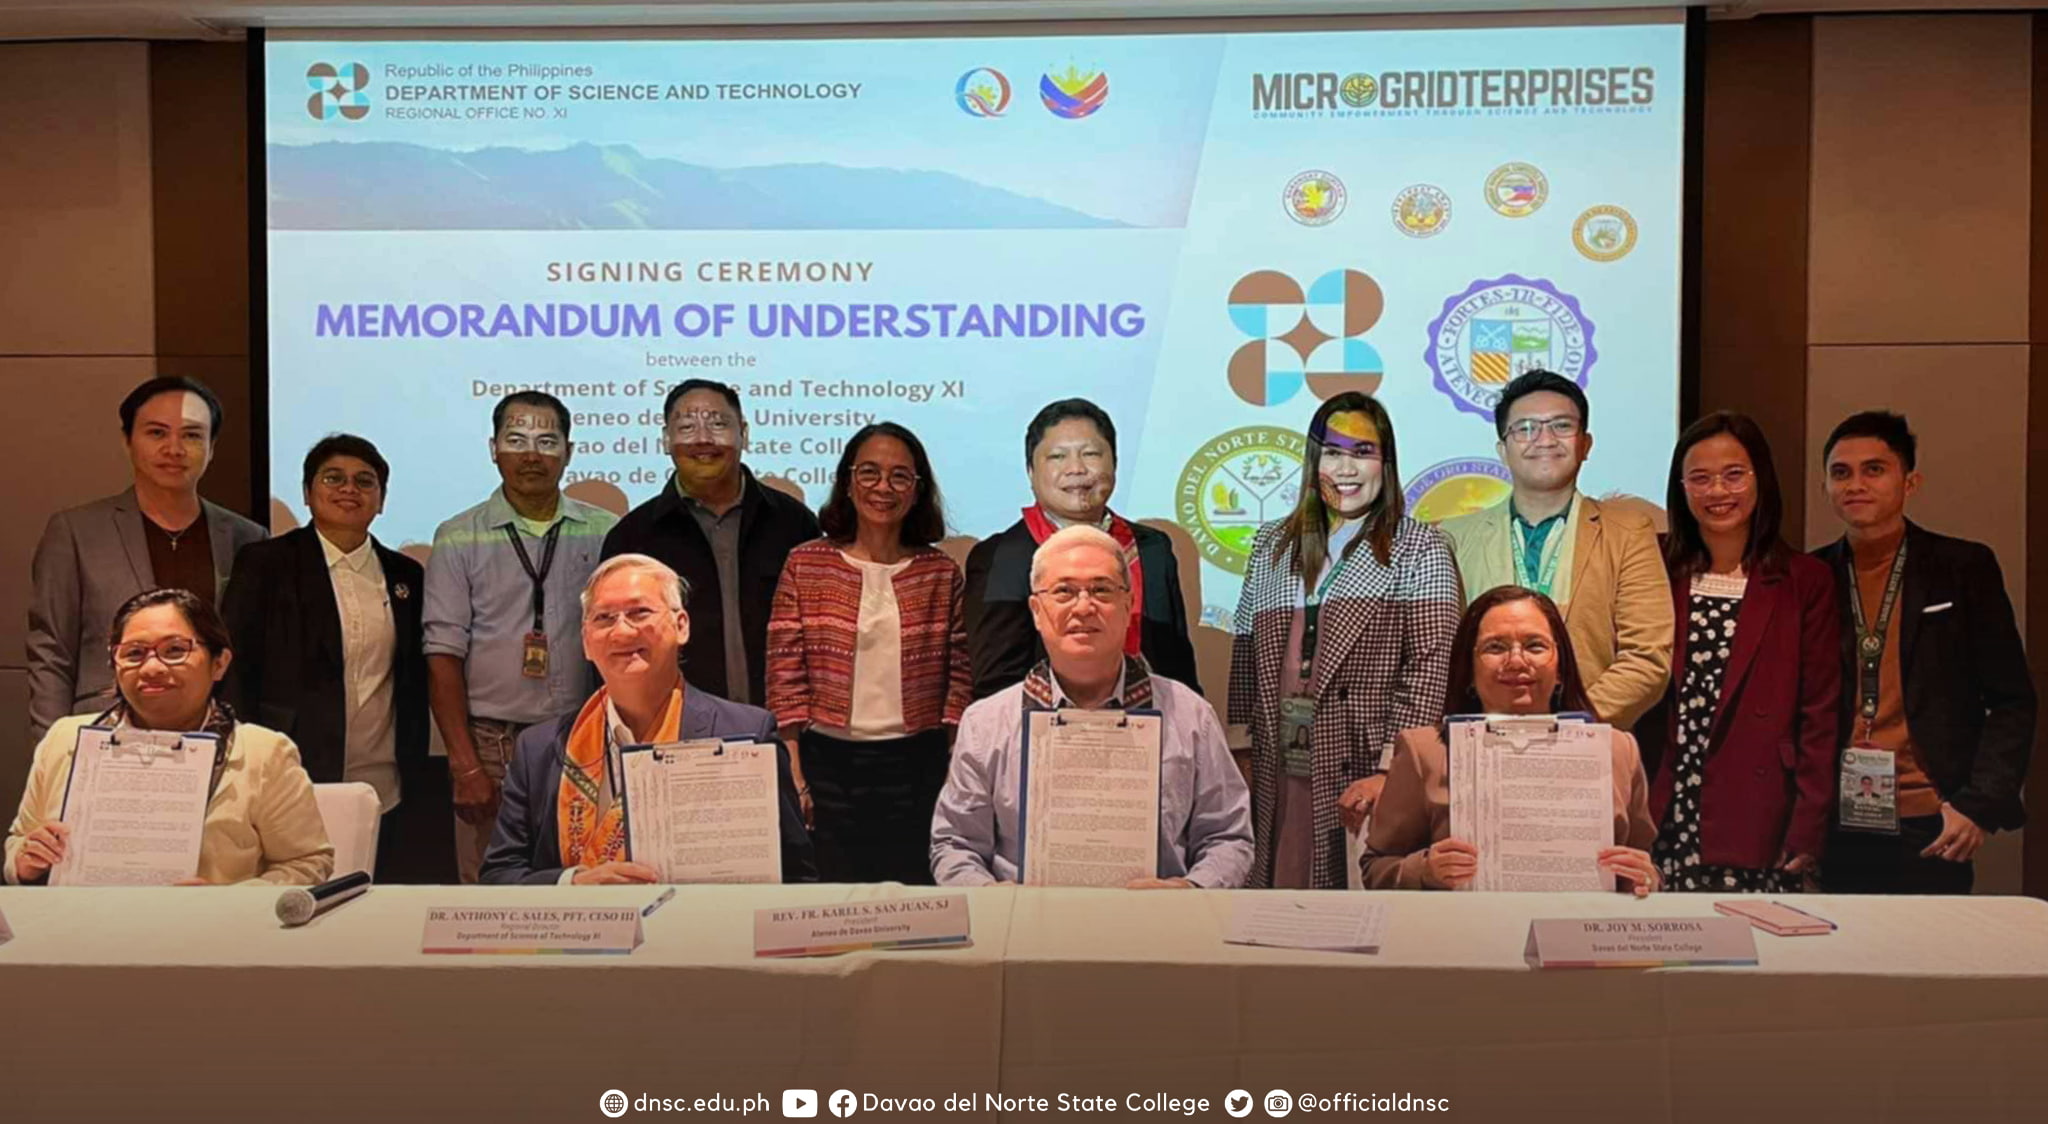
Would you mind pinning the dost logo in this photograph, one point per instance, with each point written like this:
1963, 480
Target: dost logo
1074, 94
982, 92
1234, 483
338, 91
1302, 338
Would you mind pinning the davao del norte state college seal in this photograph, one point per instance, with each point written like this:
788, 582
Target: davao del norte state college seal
1498, 329
1235, 482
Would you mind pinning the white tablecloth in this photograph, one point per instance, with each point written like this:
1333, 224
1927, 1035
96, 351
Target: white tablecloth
1916, 1010
193, 1004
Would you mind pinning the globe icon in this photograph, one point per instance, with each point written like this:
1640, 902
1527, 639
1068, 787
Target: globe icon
612, 1104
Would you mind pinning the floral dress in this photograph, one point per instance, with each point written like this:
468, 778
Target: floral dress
1709, 638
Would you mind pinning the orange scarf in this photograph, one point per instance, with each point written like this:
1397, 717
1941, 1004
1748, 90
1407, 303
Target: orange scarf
586, 837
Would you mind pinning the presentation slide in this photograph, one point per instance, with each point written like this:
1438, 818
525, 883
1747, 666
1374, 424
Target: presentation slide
1206, 234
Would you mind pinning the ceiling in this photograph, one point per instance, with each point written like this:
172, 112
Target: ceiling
227, 19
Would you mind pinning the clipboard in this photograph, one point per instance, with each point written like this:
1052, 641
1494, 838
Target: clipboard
1024, 768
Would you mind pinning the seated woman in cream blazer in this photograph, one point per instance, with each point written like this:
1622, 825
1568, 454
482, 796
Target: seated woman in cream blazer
1512, 655
169, 649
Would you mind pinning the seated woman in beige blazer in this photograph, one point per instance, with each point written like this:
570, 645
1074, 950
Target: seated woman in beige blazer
1512, 655
169, 650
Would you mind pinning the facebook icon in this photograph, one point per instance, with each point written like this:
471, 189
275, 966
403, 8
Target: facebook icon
843, 1102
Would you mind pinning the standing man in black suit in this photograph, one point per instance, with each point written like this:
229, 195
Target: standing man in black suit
724, 532
328, 646
1934, 679
1070, 454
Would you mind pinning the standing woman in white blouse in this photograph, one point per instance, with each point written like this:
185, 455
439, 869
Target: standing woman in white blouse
1743, 791
867, 662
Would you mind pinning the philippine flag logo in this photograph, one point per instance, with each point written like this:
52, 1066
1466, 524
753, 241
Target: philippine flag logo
982, 92
1074, 94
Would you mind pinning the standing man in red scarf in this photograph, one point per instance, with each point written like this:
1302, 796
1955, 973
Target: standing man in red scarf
561, 819
1070, 453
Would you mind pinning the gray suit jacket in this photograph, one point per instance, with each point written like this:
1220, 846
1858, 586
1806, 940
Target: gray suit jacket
90, 560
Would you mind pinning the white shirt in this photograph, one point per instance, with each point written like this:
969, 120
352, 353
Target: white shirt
877, 711
368, 641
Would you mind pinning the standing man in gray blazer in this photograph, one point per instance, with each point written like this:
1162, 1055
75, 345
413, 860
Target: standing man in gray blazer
157, 533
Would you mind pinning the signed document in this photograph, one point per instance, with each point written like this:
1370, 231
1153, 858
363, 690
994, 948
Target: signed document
1536, 796
136, 806
704, 811
1091, 797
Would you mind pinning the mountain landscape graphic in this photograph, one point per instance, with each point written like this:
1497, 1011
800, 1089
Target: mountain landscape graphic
394, 186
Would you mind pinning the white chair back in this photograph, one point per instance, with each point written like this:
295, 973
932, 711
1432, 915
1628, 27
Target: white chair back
352, 814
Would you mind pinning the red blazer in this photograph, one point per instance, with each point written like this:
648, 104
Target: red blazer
1771, 757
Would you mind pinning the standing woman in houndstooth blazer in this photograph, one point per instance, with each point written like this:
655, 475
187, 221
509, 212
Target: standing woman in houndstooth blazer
1342, 638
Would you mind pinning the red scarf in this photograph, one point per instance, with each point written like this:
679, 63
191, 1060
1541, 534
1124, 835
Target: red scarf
1041, 527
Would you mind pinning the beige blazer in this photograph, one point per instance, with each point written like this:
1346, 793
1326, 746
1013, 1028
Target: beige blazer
1414, 809
261, 825
1617, 606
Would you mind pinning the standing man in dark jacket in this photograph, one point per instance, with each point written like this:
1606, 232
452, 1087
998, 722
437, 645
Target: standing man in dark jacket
326, 622
1070, 454
724, 532
1934, 684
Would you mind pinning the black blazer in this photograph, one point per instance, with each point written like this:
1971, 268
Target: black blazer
1969, 697
1002, 642
526, 846
287, 671
771, 525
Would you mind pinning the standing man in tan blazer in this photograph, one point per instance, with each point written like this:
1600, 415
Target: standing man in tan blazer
1599, 562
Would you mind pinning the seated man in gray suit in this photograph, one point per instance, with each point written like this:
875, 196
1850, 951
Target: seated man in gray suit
561, 819
158, 533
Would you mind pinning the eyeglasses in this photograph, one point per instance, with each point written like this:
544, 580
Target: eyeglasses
704, 423
872, 476
334, 479
1734, 481
171, 653
1524, 432
1102, 593
605, 622
546, 444
1534, 651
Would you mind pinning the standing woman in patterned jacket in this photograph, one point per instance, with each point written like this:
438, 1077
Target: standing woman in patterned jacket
1342, 638
867, 662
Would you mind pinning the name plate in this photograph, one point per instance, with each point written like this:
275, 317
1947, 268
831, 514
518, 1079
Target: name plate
532, 930
936, 921
1657, 942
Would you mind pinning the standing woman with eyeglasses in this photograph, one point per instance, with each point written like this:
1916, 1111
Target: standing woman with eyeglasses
168, 650
1342, 638
867, 662
329, 651
1743, 790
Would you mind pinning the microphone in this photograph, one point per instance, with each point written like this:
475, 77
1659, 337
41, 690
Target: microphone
295, 907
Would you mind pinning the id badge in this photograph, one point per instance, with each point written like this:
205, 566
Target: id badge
1870, 798
533, 660
1297, 720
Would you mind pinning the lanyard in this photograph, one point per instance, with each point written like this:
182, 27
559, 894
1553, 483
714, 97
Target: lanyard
1870, 641
1553, 548
547, 562
1310, 611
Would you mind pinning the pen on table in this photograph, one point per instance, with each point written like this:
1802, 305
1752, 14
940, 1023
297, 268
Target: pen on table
658, 902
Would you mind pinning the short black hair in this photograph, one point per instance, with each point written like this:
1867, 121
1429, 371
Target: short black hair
923, 525
1884, 425
169, 384
1056, 412
347, 445
1536, 381
539, 398
729, 393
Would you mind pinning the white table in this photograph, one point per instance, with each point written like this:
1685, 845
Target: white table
1916, 1010
194, 1004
